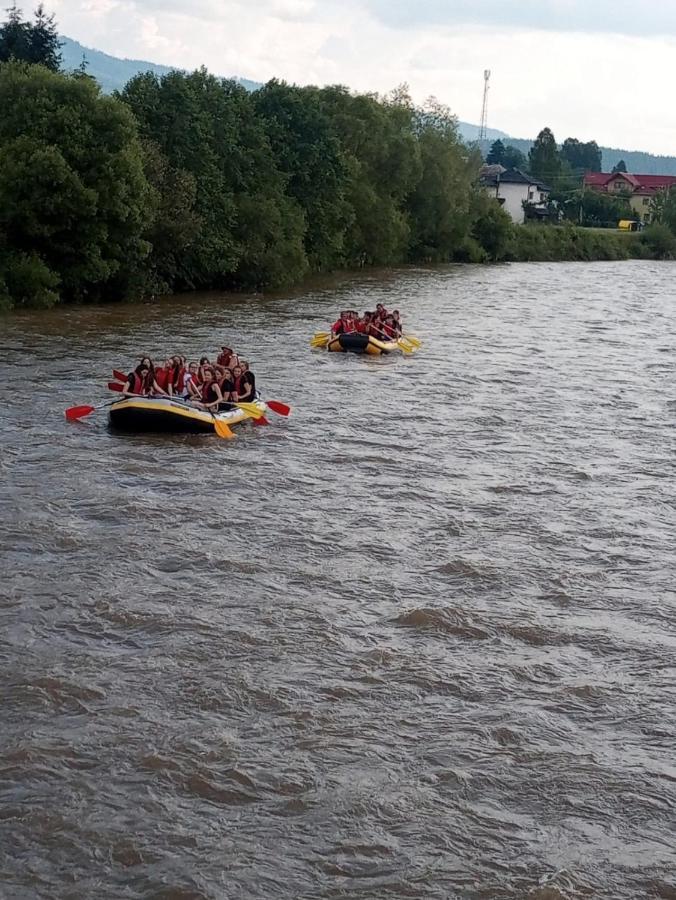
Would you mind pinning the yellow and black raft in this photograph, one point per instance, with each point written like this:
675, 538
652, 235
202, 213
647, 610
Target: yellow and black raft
171, 415
355, 342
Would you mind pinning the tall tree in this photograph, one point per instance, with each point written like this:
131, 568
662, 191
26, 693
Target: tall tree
73, 196
513, 158
544, 159
620, 167
44, 43
14, 37
307, 150
582, 157
496, 153
36, 43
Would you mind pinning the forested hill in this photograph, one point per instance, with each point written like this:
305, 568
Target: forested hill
637, 161
113, 73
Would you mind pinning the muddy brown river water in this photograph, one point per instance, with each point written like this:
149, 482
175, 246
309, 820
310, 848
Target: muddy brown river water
416, 641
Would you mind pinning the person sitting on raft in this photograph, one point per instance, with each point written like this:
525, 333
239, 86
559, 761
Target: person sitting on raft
141, 382
210, 392
344, 325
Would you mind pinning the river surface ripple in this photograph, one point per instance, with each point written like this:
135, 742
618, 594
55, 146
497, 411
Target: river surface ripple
417, 641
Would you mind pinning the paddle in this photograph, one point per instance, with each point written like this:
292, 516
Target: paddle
73, 413
320, 340
221, 428
401, 342
280, 408
114, 386
119, 375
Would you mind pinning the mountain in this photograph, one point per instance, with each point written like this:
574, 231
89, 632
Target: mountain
113, 73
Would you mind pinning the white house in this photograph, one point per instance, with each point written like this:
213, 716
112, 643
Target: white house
512, 187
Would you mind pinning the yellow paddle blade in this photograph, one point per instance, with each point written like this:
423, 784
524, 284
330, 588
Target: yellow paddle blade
412, 340
405, 346
320, 341
222, 429
321, 334
251, 409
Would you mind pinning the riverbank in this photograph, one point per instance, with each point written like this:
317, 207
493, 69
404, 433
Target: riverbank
189, 182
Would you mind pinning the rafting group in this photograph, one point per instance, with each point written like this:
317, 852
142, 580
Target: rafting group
181, 396
206, 385
374, 333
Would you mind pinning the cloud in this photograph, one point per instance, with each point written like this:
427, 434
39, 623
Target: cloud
650, 17
608, 87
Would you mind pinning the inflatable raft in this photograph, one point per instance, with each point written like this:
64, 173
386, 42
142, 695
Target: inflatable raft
355, 342
171, 415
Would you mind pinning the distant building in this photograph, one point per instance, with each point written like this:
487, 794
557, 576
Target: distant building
639, 189
512, 188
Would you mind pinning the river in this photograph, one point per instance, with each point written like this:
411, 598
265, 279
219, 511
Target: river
416, 641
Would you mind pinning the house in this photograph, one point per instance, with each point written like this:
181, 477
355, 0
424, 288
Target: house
639, 189
512, 188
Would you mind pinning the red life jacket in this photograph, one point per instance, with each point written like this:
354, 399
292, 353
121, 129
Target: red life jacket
362, 327
349, 326
207, 392
162, 377
178, 379
389, 331
337, 327
136, 384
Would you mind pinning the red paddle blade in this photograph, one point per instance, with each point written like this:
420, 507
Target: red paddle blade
280, 408
261, 421
114, 386
77, 412
119, 375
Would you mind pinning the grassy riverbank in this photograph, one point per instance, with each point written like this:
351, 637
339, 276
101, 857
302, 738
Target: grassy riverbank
569, 243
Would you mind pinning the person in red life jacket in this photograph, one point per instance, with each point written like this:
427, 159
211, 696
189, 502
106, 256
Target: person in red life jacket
388, 330
210, 392
349, 323
177, 376
397, 322
362, 325
204, 361
237, 384
227, 357
226, 385
338, 326
163, 375
249, 381
140, 382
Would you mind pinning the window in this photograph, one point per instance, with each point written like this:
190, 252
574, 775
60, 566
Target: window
646, 201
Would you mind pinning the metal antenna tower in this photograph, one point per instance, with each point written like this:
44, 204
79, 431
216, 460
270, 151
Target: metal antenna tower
484, 106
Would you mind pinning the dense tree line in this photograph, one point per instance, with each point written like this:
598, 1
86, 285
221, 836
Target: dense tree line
190, 181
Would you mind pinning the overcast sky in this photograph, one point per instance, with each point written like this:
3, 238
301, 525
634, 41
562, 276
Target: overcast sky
591, 69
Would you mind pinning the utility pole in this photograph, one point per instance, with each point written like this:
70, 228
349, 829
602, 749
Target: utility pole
484, 106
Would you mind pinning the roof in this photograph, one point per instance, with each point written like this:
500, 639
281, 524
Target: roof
640, 183
510, 176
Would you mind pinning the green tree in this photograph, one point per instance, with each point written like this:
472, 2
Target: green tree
382, 155
492, 227
208, 128
14, 37
544, 160
513, 158
496, 153
307, 150
439, 205
73, 196
36, 43
582, 157
620, 167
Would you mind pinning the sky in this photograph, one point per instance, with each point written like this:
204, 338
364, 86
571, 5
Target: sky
592, 69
